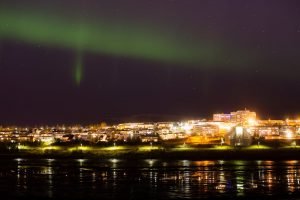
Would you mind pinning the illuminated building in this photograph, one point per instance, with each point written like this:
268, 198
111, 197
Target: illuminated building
235, 128
221, 117
265, 131
271, 122
206, 130
240, 116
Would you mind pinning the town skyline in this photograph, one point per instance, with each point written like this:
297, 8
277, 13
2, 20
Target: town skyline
147, 118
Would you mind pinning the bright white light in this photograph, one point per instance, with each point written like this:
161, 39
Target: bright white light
187, 127
252, 122
150, 162
114, 160
81, 161
225, 126
239, 130
288, 134
18, 159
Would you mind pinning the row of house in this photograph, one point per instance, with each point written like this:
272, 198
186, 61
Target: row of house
192, 131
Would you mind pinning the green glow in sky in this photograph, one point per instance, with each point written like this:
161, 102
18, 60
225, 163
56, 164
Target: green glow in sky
78, 69
125, 40
98, 38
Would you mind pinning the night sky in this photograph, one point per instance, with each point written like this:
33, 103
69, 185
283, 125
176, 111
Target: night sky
87, 61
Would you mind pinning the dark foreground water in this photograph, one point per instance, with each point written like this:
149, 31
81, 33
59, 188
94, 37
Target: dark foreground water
148, 179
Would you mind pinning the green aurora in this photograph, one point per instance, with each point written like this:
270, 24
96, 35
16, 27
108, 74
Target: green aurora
78, 69
127, 40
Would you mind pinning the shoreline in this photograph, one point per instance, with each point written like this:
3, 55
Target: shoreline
195, 154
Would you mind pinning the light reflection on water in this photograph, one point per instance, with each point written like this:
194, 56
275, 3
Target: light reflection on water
152, 179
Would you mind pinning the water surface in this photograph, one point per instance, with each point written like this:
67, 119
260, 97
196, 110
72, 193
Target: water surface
148, 179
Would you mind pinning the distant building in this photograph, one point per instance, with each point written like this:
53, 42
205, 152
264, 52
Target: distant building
221, 117
206, 130
266, 131
240, 116
271, 122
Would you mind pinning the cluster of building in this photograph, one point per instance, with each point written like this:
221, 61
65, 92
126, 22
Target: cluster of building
248, 128
235, 128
